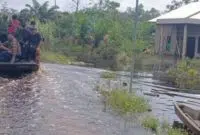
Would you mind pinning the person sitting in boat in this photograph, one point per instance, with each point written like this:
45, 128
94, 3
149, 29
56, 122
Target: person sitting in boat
31, 26
11, 50
23, 36
14, 25
34, 42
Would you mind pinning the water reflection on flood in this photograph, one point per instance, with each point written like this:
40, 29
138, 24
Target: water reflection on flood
162, 98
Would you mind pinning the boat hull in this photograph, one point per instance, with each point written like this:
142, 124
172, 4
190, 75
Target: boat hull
18, 67
188, 116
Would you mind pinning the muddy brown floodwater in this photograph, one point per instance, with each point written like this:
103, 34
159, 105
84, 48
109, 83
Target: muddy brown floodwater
62, 100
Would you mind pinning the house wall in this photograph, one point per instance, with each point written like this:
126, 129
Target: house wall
162, 33
175, 31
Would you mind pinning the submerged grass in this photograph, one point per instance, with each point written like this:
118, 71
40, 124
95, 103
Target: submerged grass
124, 102
151, 123
55, 57
109, 75
172, 131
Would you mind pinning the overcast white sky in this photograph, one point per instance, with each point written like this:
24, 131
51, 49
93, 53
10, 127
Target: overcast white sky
68, 5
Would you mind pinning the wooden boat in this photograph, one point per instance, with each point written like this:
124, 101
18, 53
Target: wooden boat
19, 67
189, 116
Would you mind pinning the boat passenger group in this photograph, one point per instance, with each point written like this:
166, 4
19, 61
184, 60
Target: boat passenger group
22, 42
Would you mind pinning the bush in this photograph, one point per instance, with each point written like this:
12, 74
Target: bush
123, 60
186, 74
105, 56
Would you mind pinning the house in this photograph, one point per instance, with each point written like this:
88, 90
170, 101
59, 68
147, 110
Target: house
178, 32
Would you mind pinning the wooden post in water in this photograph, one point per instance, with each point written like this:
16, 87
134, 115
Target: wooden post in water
134, 43
184, 41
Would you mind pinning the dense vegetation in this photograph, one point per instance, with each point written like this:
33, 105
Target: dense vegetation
99, 34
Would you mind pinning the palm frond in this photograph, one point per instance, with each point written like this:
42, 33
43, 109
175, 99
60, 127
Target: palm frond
45, 5
53, 9
29, 6
36, 4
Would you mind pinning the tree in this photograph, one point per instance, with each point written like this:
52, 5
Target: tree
7, 11
143, 14
42, 12
176, 4
24, 16
112, 5
77, 4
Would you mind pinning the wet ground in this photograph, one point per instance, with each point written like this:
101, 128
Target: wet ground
62, 100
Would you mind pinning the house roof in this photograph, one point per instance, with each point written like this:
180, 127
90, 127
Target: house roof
186, 14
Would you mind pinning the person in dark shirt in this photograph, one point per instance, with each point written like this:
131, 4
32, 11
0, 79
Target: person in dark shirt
34, 43
23, 36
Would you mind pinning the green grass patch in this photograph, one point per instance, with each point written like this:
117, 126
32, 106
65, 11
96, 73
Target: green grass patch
109, 75
151, 123
124, 102
55, 57
172, 131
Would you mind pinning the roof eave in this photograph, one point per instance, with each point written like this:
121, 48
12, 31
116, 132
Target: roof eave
178, 21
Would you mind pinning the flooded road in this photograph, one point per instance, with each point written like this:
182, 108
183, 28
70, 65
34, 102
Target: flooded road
62, 100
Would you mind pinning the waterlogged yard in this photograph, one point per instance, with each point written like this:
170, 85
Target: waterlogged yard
116, 97
152, 101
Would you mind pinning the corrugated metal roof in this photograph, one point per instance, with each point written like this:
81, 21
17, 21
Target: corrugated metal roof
191, 10
197, 16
